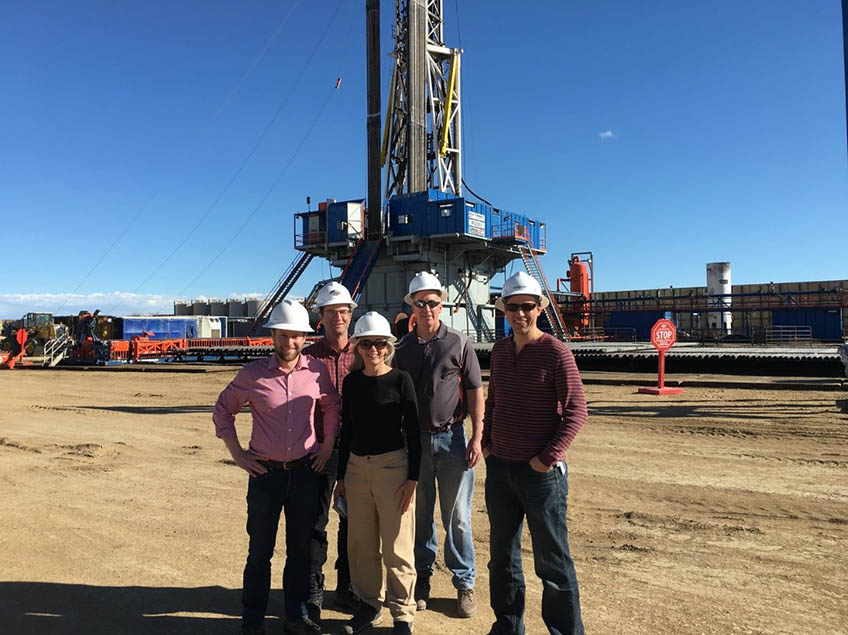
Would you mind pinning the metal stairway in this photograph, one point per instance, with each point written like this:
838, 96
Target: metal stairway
281, 289
359, 266
481, 327
57, 349
552, 312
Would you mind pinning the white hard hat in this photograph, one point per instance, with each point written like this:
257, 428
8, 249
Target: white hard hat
372, 324
424, 281
521, 284
333, 293
289, 315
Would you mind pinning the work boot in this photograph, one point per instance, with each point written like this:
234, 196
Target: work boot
466, 602
422, 591
302, 626
313, 612
365, 617
253, 629
402, 628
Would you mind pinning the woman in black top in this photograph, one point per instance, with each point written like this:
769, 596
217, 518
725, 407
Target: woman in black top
379, 459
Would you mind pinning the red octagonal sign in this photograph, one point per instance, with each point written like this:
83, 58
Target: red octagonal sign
663, 334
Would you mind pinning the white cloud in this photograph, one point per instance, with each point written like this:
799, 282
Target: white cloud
606, 134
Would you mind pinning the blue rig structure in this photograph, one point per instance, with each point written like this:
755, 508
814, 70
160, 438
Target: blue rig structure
426, 223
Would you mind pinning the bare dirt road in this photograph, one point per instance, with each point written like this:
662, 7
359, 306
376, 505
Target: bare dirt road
714, 511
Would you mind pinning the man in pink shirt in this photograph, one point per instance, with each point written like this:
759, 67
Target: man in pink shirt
284, 460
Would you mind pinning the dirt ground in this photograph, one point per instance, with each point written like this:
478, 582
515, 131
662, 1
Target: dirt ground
714, 511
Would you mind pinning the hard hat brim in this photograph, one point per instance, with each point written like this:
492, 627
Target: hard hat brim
408, 297
543, 301
282, 326
356, 338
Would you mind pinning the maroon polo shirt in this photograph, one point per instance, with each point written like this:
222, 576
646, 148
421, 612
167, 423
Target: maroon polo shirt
536, 404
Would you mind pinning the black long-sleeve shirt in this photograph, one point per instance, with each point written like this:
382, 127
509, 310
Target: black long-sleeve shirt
378, 415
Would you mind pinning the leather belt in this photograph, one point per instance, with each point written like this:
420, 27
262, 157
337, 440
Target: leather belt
449, 426
285, 465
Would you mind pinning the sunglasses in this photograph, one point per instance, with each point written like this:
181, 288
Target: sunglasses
430, 303
524, 306
380, 345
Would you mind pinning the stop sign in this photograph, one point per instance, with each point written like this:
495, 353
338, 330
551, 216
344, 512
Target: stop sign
663, 335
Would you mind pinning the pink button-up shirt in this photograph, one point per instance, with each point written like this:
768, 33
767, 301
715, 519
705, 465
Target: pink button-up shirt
282, 406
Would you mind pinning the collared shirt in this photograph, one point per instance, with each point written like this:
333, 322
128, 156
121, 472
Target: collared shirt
282, 406
337, 362
536, 404
442, 369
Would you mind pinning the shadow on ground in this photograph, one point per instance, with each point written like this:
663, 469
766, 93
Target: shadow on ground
45, 608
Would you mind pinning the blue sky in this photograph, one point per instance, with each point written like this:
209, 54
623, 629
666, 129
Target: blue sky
661, 135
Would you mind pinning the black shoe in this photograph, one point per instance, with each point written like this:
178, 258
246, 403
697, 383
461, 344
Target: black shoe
365, 617
253, 629
347, 600
422, 591
303, 626
313, 612
402, 628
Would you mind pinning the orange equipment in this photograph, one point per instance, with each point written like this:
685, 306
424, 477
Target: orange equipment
8, 360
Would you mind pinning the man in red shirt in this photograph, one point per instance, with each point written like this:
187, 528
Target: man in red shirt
284, 461
335, 306
534, 409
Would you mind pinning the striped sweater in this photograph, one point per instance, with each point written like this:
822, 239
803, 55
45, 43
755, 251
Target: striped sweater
536, 404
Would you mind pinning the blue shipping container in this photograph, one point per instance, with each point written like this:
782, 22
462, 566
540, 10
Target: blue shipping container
157, 328
826, 324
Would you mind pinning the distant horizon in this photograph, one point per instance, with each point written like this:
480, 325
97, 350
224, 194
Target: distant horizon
7, 300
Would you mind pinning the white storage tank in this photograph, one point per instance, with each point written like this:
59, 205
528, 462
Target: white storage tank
719, 284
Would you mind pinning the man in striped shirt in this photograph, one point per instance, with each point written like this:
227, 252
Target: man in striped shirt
534, 409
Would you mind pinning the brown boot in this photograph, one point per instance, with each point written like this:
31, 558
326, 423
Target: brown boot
466, 602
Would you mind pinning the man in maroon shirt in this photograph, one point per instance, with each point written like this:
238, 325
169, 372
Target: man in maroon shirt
335, 306
534, 409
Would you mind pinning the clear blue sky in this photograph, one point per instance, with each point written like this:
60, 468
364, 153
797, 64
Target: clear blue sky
661, 135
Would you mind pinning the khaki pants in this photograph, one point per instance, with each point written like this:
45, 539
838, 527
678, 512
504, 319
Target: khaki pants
373, 517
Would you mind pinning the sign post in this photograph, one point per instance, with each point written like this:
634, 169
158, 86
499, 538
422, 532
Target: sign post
663, 337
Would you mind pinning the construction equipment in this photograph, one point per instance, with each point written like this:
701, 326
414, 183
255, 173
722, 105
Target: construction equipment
9, 359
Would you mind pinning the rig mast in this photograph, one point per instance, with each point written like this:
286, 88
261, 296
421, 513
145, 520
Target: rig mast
422, 144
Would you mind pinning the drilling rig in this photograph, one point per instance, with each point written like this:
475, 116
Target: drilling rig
418, 218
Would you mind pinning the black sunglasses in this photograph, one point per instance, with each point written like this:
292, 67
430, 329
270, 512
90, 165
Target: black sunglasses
378, 344
430, 303
524, 306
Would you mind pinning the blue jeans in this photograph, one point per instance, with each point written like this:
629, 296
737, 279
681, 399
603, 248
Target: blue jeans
514, 490
443, 463
298, 492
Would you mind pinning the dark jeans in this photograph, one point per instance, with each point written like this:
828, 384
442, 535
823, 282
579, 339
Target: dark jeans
267, 495
514, 490
327, 481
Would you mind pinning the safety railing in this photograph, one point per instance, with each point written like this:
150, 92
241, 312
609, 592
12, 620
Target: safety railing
310, 239
56, 349
789, 334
